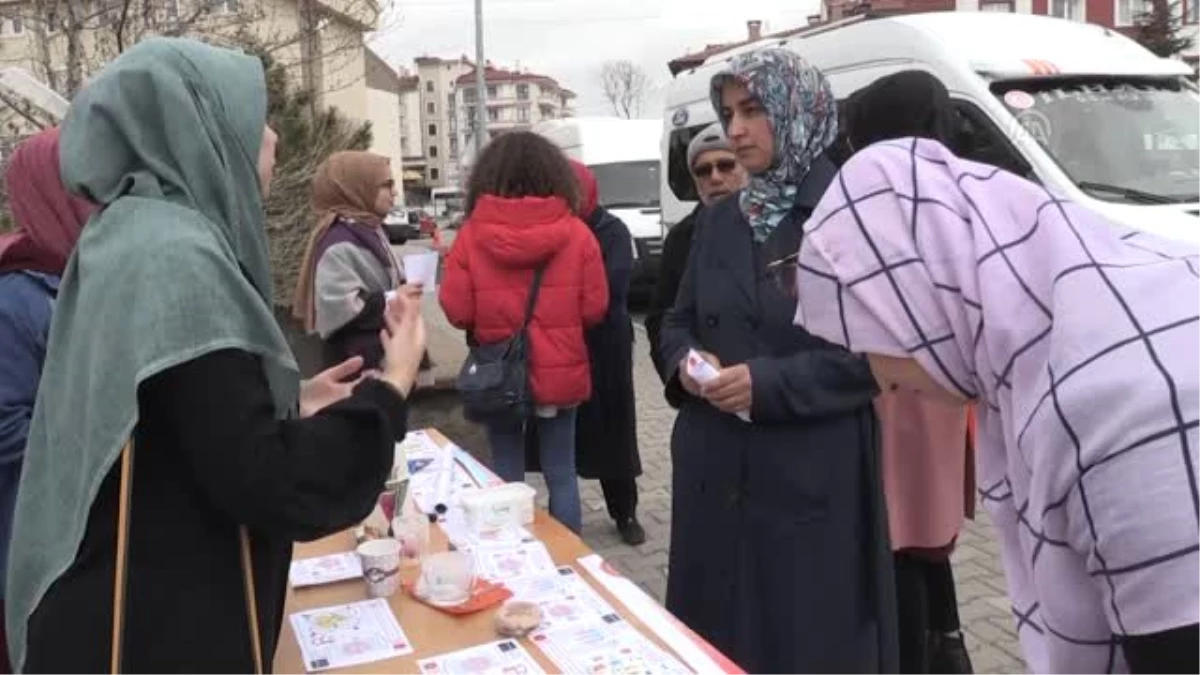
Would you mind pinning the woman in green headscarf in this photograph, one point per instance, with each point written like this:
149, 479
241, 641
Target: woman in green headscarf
164, 335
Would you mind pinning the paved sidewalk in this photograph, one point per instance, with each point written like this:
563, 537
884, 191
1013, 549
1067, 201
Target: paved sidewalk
983, 604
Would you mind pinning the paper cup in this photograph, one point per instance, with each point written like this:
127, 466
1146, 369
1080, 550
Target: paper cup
447, 578
381, 566
421, 268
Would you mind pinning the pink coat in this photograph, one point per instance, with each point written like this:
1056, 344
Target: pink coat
927, 479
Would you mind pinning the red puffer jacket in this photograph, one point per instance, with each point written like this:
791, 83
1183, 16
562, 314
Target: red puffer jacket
485, 285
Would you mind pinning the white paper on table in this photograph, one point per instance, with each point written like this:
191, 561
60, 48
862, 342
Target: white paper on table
501, 562
325, 569
417, 447
563, 596
349, 635
650, 613
606, 644
504, 657
703, 372
465, 539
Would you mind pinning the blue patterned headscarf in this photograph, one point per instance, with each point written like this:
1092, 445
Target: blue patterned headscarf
803, 115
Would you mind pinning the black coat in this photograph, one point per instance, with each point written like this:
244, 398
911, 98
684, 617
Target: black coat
210, 456
779, 550
606, 445
674, 262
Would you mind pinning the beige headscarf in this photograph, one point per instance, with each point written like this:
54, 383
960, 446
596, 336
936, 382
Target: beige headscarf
347, 185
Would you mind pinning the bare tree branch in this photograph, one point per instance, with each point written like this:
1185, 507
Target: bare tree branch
625, 86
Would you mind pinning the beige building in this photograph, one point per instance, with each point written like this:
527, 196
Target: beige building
516, 99
437, 121
437, 104
320, 41
383, 109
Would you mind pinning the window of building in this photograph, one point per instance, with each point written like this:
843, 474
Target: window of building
11, 25
470, 114
996, 6
469, 95
491, 91
523, 92
523, 114
1067, 9
227, 7
434, 174
493, 115
1128, 11
433, 152
453, 148
170, 9
429, 86
1191, 11
430, 108
433, 130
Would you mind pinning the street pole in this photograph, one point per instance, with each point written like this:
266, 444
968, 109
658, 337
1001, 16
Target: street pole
481, 113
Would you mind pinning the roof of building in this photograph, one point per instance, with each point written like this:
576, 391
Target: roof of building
494, 75
381, 76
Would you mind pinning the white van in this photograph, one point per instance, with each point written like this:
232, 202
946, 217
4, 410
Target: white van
624, 155
1075, 106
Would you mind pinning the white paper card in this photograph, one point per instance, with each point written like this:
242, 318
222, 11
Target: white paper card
349, 635
703, 372
325, 569
505, 657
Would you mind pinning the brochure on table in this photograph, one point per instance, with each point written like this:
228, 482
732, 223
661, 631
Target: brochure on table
580, 632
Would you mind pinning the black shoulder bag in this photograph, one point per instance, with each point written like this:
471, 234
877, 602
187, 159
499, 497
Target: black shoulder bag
494, 380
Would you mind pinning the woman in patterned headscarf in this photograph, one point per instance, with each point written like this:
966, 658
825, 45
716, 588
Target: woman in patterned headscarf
779, 551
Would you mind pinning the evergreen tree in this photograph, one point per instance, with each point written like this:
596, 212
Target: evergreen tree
307, 136
1157, 28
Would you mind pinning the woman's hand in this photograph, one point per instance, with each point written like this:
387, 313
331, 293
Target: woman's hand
690, 385
732, 391
330, 386
403, 339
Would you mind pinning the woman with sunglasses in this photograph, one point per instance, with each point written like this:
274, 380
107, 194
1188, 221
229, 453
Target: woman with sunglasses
779, 552
348, 267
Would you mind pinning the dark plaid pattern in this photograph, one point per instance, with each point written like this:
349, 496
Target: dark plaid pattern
1080, 339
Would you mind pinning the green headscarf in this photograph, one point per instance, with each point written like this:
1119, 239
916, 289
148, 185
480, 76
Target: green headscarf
167, 139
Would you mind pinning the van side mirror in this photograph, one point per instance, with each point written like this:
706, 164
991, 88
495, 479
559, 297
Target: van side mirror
413, 218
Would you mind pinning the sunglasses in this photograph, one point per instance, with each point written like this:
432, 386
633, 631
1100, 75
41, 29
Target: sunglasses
720, 166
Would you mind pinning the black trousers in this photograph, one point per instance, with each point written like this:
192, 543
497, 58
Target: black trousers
621, 496
925, 602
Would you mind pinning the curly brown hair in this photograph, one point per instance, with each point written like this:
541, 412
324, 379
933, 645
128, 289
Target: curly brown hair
522, 164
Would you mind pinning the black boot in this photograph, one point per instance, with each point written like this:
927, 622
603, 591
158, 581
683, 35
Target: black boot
948, 654
631, 531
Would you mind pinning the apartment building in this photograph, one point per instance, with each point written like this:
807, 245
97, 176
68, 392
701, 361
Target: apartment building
438, 108
516, 99
319, 41
438, 124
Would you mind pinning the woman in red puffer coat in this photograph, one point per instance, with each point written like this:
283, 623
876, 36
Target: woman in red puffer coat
523, 201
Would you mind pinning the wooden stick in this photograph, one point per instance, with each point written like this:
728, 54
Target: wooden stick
251, 599
122, 562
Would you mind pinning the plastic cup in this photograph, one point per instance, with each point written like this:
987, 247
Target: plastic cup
411, 529
447, 578
421, 268
381, 566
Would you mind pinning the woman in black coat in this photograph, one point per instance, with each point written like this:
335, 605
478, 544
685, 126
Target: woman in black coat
779, 552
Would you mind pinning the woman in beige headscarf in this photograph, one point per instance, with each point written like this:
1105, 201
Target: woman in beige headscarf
348, 265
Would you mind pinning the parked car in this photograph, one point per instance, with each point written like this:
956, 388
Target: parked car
402, 225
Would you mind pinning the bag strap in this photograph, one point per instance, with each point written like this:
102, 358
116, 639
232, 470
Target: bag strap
120, 580
531, 302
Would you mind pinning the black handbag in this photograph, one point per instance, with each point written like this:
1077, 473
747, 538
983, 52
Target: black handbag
494, 380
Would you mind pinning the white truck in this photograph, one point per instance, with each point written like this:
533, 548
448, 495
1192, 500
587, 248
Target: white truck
624, 155
1080, 108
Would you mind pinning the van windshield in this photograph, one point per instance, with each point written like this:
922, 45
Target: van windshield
1120, 140
625, 185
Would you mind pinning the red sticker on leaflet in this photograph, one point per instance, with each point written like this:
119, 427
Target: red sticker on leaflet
1019, 100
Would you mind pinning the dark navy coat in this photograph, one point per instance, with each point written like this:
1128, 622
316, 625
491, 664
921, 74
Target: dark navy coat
779, 552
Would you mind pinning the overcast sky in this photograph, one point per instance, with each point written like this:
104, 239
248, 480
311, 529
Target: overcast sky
570, 39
